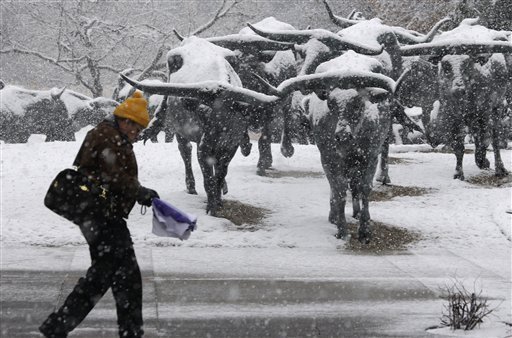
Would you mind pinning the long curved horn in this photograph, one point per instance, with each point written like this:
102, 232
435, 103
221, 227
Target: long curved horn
400, 81
407, 37
342, 79
296, 36
338, 20
249, 43
322, 35
461, 48
204, 91
271, 89
430, 35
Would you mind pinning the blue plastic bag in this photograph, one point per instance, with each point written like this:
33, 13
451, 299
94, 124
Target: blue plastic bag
169, 221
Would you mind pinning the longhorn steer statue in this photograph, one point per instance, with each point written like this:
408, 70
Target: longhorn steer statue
472, 82
350, 115
24, 112
206, 104
390, 37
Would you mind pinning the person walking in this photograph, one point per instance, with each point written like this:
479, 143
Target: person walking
107, 158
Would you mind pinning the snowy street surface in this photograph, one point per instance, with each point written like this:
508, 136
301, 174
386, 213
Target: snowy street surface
285, 276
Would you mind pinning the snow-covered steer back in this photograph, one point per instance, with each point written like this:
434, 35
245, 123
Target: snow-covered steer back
24, 112
205, 104
86, 111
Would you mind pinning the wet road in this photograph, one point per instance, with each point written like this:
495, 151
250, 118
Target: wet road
192, 306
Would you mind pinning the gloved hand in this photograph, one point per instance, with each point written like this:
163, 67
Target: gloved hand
145, 196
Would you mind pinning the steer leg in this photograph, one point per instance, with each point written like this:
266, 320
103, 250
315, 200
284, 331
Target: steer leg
458, 148
286, 145
286, 139
185, 149
481, 151
337, 211
205, 157
365, 230
219, 179
500, 170
169, 132
356, 198
264, 147
383, 176
338, 198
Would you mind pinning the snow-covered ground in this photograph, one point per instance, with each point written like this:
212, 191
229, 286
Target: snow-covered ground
452, 218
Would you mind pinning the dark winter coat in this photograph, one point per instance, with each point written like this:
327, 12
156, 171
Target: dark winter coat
107, 158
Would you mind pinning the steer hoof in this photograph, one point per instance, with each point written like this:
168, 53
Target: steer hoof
364, 236
501, 172
459, 176
483, 164
384, 179
245, 149
192, 191
342, 233
261, 172
287, 150
213, 211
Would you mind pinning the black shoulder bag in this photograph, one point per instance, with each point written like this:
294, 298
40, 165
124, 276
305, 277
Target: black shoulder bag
73, 196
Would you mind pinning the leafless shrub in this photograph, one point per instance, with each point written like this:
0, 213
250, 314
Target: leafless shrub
465, 309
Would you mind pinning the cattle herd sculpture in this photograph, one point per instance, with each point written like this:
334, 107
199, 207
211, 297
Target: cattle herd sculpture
343, 89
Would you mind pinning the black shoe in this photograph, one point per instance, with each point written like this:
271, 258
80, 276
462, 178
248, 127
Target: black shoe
49, 330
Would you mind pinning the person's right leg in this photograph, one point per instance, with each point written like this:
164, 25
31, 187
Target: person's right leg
89, 289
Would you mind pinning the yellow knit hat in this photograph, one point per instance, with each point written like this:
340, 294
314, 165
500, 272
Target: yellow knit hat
134, 108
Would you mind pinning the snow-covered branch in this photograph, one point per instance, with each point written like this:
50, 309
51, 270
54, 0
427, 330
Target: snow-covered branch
221, 11
53, 61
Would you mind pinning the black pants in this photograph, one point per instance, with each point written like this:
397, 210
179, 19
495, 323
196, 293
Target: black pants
113, 265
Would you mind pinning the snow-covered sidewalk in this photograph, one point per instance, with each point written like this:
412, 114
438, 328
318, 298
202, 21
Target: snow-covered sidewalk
463, 230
